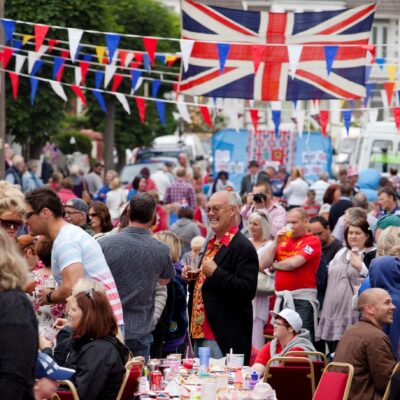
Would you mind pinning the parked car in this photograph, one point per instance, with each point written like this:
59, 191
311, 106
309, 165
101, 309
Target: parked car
129, 172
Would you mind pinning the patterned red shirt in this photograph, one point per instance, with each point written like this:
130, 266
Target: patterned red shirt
178, 191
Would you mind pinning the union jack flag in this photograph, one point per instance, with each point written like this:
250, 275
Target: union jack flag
248, 30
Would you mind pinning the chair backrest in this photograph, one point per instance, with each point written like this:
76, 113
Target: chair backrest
130, 382
335, 385
299, 371
387, 391
318, 359
70, 394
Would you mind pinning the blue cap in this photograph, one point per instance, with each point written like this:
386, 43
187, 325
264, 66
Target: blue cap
46, 367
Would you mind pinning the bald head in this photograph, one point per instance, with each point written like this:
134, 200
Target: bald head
371, 297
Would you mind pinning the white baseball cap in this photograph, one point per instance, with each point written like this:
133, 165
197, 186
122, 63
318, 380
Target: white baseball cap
291, 317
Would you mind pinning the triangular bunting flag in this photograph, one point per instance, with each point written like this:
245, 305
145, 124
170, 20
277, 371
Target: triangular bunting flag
294, 54
186, 50
64, 54
384, 97
100, 50
14, 83
110, 71
116, 82
122, 54
330, 54
155, 86
32, 58
300, 117
112, 41
42, 50
59, 90
160, 105
40, 34
98, 79
369, 87
205, 112
258, 51
381, 62
373, 115
122, 99
78, 75
396, 114
52, 43
100, 100
183, 110
74, 37
84, 65
232, 110
254, 118
36, 67
391, 69
16, 44
58, 64
276, 118
7, 53
161, 58
223, 51
323, 118
389, 87
146, 62
8, 26
150, 44
138, 59
78, 91
141, 105
368, 69
347, 119
19, 62
371, 49
135, 75
27, 38
34, 86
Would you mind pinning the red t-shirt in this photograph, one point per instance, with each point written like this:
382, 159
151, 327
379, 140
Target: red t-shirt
264, 355
307, 246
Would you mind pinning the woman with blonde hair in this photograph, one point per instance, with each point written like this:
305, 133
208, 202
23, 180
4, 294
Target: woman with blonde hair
12, 208
296, 189
115, 199
18, 326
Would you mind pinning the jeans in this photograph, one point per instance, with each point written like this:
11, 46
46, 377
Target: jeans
215, 351
140, 347
306, 312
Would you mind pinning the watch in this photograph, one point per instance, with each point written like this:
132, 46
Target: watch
48, 297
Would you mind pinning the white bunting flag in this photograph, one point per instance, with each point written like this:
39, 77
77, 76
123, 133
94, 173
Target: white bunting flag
32, 58
129, 58
19, 62
186, 49
385, 101
74, 38
232, 110
110, 71
300, 116
58, 89
122, 99
137, 86
183, 110
42, 50
373, 115
78, 76
294, 54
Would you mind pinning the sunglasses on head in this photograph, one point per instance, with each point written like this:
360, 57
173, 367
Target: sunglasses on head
10, 223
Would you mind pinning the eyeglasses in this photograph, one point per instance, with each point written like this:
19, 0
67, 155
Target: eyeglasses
277, 323
72, 212
93, 215
216, 209
30, 213
10, 224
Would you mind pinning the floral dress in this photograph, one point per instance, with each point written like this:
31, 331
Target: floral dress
46, 314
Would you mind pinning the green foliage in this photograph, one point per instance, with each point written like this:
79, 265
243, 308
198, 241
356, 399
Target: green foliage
63, 142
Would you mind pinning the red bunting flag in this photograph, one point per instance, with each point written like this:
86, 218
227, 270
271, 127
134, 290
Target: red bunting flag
40, 34
52, 43
138, 60
122, 57
258, 54
389, 87
396, 114
78, 91
323, 118
141, 105
116, 82
84, 65
60, 73
254, 118
1, 57
205, 112
371, 49
7, 53
150, 44
64, 54
14, 83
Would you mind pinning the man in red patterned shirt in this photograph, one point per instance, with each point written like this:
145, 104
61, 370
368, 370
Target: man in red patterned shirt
181, 191
221, 295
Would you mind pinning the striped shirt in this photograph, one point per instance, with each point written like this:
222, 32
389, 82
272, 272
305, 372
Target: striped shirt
73, 245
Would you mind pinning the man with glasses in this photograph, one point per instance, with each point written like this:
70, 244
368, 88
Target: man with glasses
75, 253
76, 213
221, 294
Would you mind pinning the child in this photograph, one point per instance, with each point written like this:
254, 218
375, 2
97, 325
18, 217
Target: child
311, 206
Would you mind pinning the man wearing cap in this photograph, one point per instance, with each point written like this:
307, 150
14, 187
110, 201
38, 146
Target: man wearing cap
387, 200
254, 177
75, 212
288, 336
365, 346
383, 223
352, 178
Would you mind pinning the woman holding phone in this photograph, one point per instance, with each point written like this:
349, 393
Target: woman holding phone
345, 272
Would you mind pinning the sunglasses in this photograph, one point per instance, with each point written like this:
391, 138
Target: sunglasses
30, 213
93, 215
10, 224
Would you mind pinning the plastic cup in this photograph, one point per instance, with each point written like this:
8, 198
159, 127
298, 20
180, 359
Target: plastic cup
204, 356
192, 264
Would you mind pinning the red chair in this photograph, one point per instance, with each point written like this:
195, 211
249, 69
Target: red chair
295, 381
335, 385
130, 383
318, 359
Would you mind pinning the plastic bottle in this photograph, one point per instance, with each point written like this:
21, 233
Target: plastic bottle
253, 379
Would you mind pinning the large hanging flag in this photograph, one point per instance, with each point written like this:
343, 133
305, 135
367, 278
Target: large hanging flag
210, 26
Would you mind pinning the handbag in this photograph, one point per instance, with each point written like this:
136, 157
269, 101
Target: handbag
265, 284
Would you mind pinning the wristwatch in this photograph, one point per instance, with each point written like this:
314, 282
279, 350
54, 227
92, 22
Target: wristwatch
48, 297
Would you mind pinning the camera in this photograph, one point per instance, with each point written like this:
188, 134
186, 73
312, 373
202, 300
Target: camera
259, 197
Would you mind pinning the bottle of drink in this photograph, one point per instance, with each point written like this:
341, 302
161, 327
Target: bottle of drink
253, 379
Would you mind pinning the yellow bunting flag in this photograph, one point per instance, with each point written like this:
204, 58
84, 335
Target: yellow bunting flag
392, 69
27, 38
341, 102
170, 58
100, 50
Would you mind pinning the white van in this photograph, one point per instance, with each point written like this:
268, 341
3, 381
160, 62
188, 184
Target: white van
376, 146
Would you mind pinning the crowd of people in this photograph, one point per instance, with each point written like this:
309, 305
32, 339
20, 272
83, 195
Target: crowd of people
179, 260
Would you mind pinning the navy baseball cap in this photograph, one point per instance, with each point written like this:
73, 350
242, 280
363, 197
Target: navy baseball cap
46, 367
